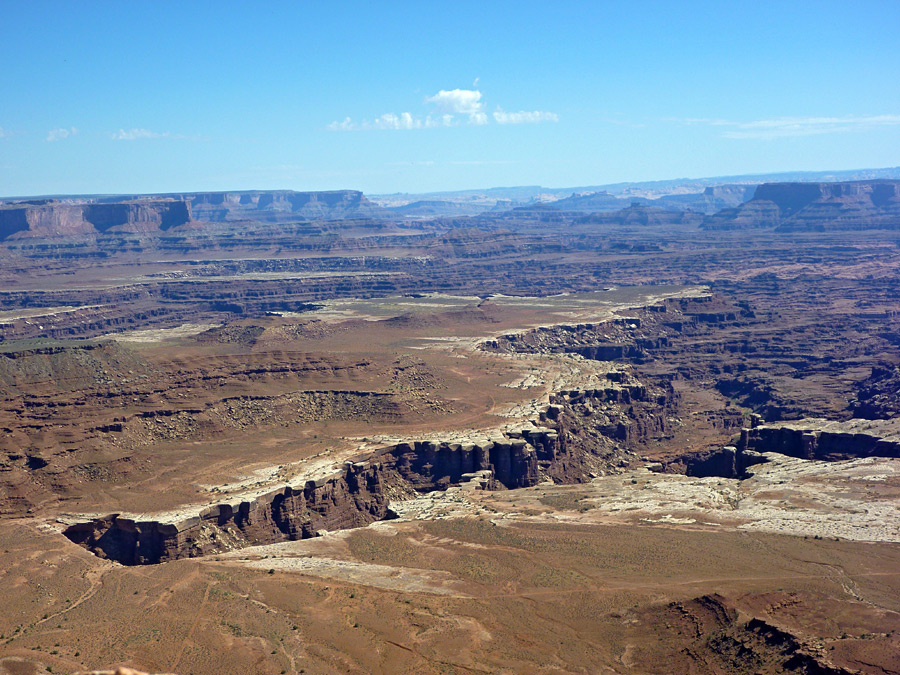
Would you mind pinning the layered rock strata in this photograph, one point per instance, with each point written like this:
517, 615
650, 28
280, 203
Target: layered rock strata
814, 439
726, 462
826, 440
560, 445
275, 205
354, 496
52, 218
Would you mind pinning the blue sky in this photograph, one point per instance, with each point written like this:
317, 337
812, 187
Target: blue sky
418, 96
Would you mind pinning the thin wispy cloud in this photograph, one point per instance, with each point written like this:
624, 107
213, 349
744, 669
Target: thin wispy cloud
788, 127
5, 133
524, 117
396, 122
60, 134
450, 108
407, 121
138, 134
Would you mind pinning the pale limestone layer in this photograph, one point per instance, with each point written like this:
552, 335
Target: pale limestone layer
855, 500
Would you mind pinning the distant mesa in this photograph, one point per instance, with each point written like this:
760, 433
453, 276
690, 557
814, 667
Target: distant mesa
708, 201
797, 207
593, 201
786, 207
279, 205
642, 215
714, 198
53, 218
434, 208
147, 214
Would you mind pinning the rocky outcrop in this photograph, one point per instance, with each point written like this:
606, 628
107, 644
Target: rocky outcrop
51, 218
805, 439
792, 207
430, 465
878, 396
42, 218
353, 497
725, 462
725, 635
601, 431
149, 214
138, 216
430, 208
825, 440
582, 433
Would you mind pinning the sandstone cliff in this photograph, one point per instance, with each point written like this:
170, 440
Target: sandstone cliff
354, 496
147, 214
52, 218
824, 439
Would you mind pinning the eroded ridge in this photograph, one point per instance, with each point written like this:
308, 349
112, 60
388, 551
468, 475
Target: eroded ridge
569, 442
825, 439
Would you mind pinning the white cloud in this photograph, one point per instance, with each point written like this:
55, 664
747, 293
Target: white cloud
60, 134
393, 121
136, 134
4, 133
524, 117
346, 125
451, 107
787, 127
442, 121
401, 121
462, 101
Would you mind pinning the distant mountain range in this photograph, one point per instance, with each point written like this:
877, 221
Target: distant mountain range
845, 199
704, 195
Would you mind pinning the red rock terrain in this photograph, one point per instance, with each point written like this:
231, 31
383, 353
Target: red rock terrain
307, 445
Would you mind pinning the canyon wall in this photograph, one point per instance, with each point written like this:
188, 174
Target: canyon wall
51, 218
149, 214
353, 497
826, 440
359, 493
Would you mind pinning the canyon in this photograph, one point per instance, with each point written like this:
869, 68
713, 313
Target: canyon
273, 431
